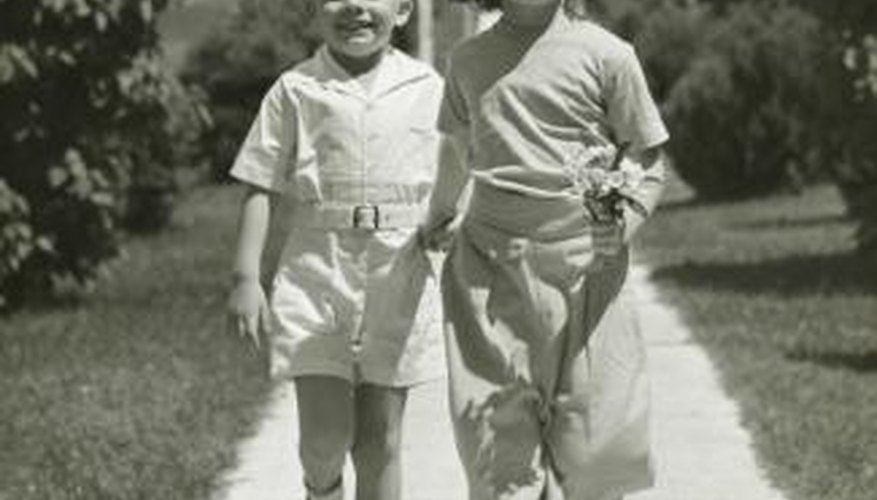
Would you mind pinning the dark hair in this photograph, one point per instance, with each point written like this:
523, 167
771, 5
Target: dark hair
576, 8
483, 4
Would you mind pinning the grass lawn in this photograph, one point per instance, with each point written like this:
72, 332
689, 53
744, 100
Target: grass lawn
136, 392
772, 291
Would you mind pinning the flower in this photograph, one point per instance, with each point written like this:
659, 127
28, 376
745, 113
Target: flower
604, 178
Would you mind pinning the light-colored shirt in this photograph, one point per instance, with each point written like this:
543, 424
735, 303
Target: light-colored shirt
525, 98
321, 136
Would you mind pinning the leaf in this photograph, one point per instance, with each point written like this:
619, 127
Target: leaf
103, 199
57, 176
146, 10
101, 21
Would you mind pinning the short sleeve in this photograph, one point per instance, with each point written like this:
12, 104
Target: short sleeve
453, 113
632, 113
266, 151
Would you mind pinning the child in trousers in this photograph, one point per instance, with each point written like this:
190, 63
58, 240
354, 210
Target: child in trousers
546, 362
348, 137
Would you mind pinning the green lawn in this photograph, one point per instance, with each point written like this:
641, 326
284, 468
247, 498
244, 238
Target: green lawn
136, 392
771, 289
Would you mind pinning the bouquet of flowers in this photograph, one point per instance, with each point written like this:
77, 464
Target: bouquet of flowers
605, 180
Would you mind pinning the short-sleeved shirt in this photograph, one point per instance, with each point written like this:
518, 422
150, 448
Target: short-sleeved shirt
323, 137
522, 98
356, 304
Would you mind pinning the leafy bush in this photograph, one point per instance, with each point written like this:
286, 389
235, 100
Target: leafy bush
856, 172
668, 38
88, 112
751, 113
783, 92
236, 65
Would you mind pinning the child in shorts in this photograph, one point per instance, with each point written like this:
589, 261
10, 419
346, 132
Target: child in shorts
348, 138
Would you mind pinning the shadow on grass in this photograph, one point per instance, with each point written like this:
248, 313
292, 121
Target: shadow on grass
860, 362
815, 221
681, 203
796, 275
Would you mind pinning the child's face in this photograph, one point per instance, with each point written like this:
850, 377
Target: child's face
360, 28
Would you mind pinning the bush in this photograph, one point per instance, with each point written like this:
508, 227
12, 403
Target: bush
87, 111
236, 65
856, 172
751, 114
668, 38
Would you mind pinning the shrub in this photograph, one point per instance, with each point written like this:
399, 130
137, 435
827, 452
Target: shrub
87, 110
750, 114
856, 172
668, 38
236, 65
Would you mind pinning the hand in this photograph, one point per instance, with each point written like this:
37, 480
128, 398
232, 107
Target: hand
608, 237
248, 310
437, 234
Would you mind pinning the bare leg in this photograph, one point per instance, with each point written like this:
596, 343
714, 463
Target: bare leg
325, 406
377, 442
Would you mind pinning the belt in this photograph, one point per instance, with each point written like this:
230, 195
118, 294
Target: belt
363, 216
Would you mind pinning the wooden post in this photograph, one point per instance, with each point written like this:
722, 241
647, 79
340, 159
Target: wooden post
425, 30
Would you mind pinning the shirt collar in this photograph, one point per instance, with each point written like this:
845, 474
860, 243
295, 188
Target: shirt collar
394, 70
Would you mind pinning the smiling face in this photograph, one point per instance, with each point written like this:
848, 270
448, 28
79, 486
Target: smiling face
360, 28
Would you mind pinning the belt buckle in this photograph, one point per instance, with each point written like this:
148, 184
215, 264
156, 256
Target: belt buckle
366, 217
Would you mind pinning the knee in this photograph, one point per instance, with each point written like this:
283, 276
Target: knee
377, 447
325, 450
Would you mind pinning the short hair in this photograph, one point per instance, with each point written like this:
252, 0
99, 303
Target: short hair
577, 8
483, 4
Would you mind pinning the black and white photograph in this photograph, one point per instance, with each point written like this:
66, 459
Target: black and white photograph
438, 250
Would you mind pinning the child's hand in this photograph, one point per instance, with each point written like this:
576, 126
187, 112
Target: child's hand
611, 237
608, 238
248, 310
437, 234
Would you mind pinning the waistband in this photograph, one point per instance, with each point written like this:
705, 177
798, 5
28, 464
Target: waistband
524, 215
370, 217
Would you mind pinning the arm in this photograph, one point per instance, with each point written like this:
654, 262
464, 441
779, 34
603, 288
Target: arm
610, 238
247, 306
653, 162
450, 192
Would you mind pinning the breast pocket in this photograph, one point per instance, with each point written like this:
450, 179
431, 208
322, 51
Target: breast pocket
422, 139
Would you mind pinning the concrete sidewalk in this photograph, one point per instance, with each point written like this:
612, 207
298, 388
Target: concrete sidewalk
702, 452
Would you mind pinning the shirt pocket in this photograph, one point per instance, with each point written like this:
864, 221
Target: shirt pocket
422, 140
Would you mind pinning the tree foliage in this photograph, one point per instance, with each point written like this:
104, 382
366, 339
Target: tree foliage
854, 27
91, 122
763, 93
236, 65
751, 112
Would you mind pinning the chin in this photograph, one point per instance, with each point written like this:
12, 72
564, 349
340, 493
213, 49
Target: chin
358, 50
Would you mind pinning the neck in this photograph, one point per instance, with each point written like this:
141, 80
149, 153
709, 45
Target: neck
358, 65
527, 14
